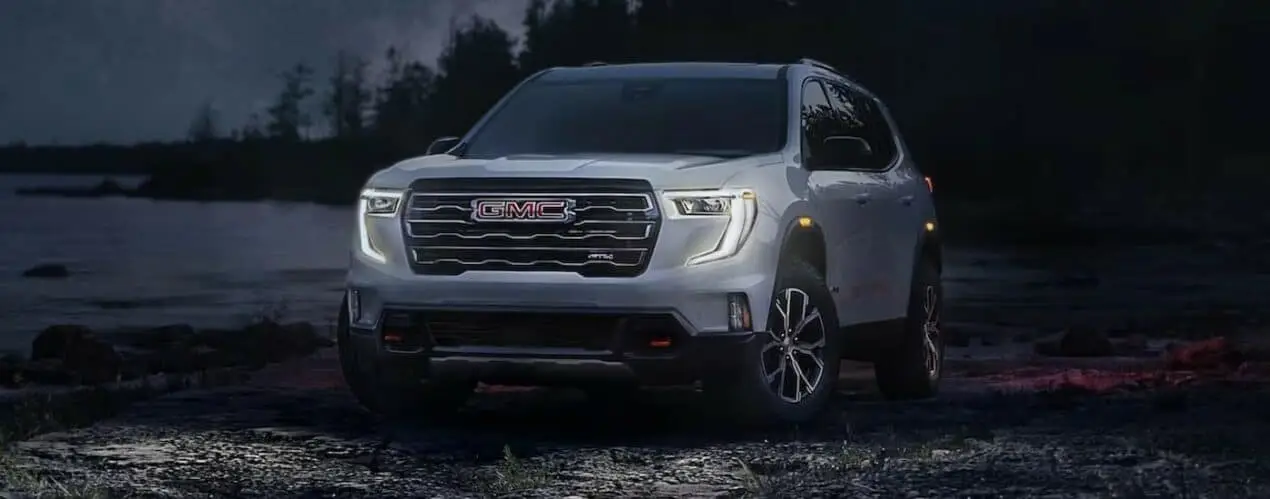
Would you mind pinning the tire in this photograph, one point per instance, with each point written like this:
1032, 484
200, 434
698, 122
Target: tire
914, 368
396, 395
747, 395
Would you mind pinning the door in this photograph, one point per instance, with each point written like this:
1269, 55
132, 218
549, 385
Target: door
896, 204
846, 203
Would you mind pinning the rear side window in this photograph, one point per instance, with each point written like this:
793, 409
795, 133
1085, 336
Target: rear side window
861, 116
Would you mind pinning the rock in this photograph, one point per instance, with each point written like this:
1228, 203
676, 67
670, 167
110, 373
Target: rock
47, 271
1084, 342
181, 359
158, 338
1075, 342
263, 342
1132, 346
1047, 347
10, 368
54, 341
109, 187
46, 371
80, 351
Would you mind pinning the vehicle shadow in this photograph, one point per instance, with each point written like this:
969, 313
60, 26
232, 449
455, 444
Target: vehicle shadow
530, 421
674, 418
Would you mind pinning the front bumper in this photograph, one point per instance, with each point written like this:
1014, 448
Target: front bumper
548, 327
688, 360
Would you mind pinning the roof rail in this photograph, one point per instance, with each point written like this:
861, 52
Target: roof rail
595, 63
821, 65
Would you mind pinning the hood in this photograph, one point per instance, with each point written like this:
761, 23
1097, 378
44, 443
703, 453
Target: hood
662, 170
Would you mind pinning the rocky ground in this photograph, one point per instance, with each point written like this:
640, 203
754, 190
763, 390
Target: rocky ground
1001, 429
70, 354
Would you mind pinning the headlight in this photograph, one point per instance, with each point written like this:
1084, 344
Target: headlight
380, 202
739, 205
375, 203
714, 205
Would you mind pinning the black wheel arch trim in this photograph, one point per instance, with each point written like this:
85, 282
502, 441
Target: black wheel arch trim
792, 228
929, 241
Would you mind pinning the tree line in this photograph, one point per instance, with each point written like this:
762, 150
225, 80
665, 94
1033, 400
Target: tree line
404, 104
972, 82
1051, 97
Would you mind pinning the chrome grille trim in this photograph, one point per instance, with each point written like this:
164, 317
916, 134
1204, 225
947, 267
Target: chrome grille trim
530, 263
613, 235
648, 229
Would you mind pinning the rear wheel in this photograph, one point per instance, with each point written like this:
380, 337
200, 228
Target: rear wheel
791, 371
913, 370
395, 394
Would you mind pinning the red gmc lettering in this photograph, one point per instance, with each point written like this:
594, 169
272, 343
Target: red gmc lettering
523, 209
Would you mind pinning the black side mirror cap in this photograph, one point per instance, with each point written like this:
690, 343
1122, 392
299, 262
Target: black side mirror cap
443, 145
846, 151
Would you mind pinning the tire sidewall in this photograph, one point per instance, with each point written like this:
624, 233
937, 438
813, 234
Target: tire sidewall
927, 275
802, 276
359, 381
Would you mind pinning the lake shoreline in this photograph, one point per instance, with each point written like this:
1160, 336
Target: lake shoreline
964, 222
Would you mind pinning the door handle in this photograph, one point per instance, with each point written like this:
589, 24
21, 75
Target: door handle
907, 200
862, 198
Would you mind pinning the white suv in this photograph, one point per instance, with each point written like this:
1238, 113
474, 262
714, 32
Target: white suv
607, 226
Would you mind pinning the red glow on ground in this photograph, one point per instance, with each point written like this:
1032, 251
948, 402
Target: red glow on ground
1092, 380
1215, 359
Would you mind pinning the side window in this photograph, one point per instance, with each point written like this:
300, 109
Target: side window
881, 135
862, 117
818, 119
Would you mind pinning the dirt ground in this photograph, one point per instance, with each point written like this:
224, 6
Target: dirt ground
1008, 431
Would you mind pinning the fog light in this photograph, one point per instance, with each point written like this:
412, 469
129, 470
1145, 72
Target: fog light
739, 312
354, 306
659, 343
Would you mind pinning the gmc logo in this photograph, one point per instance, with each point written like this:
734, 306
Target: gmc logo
523, 210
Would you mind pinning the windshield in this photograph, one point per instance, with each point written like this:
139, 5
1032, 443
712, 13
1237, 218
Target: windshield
714, 117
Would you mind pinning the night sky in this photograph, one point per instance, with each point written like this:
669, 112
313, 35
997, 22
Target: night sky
81, 71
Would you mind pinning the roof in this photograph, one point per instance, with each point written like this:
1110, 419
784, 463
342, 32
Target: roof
666, 70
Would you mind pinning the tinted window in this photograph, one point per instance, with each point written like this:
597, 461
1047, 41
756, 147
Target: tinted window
723, 117
860, 116
819, 120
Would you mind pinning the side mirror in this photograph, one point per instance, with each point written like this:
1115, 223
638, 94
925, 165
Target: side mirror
442, 145
845, 151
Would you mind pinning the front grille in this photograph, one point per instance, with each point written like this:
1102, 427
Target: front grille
611, 235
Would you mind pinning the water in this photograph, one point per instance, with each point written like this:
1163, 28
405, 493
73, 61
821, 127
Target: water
141, 263
137, 262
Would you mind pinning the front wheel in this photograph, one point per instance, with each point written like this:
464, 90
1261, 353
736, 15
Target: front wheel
790, 372
394, 394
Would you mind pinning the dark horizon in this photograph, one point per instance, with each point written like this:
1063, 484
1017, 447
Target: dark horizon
106, 72
1049, 63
